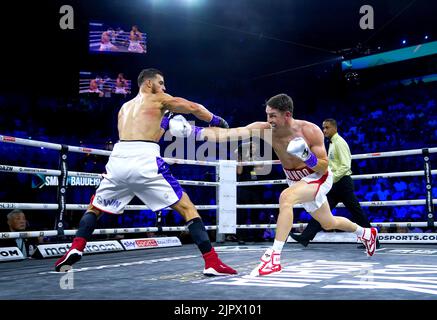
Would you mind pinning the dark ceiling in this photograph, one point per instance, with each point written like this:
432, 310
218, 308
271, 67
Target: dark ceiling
199, 42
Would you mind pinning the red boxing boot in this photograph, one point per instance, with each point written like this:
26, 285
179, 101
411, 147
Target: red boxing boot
214, 266
73, 255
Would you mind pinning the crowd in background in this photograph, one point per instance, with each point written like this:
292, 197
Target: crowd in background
383, 119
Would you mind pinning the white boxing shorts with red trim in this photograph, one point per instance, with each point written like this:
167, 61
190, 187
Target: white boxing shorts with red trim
324, 182
135, 168
135, 46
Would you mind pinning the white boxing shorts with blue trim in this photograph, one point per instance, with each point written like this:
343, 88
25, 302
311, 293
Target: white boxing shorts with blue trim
135, 168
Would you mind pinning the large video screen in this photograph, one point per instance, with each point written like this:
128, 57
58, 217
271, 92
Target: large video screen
115, 38
103, 84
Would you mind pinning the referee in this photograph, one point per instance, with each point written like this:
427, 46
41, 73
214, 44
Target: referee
343, 187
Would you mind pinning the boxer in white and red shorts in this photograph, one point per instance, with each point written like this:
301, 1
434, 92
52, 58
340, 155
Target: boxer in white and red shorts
299, 145
323, 181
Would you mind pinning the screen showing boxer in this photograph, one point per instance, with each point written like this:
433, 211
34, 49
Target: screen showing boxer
103, 84
114, 38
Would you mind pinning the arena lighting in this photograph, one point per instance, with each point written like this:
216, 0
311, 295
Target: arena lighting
426, 37
190, 2
426, 48
404, 41
183, 2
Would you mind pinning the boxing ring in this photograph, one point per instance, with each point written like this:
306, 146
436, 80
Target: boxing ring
119, 39
107, 87
324, 271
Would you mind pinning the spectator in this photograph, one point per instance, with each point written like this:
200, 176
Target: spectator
17, 222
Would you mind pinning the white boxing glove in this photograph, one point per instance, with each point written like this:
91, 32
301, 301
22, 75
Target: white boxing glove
179, 127
299, 148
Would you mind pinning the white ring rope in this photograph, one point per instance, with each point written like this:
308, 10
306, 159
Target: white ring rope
258, 163
15, 169
36, 206
303, 225
55, 146
363, 204
52, 233
392, 153
40, 206
55, 206
28, 170
355, 177
354, 157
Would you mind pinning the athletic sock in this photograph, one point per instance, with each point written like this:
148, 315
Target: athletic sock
199, 235
359, 232
278, 245
87, 225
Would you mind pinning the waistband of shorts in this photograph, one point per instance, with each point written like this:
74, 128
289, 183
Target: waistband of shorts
297, 174
151, 141
136, 148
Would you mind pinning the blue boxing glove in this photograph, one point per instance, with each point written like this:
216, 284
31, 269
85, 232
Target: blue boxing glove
299, 148
217, 121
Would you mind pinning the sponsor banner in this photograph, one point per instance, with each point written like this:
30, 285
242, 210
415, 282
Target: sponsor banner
383, 237
71, 181
147, 243
59, 249
8, 139
408, 237
10, 253
6, 168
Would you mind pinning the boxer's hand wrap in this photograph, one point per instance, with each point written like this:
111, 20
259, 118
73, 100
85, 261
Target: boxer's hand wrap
299, 148
217, 121
166, 120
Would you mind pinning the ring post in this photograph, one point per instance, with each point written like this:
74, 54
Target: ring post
159, 220
226, 199
62, 189
428, 187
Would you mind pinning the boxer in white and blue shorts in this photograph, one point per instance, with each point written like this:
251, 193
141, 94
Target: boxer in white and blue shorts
135, 168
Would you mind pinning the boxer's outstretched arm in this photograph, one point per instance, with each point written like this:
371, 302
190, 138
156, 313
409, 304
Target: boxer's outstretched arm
181, 105
251, 130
